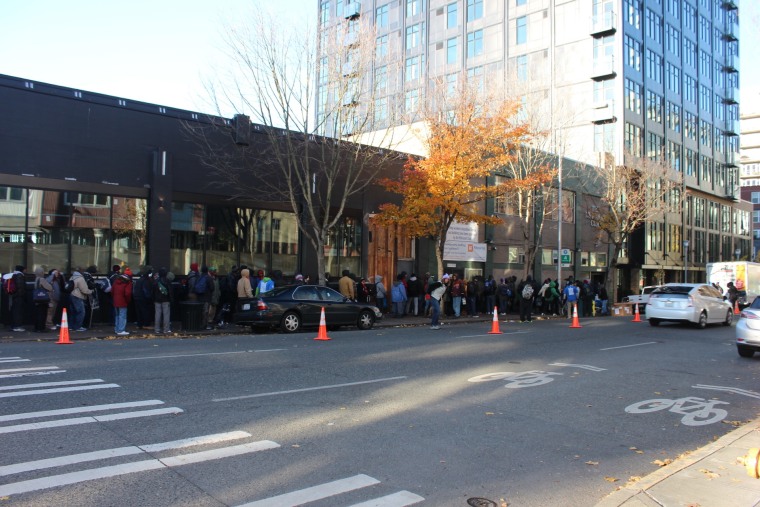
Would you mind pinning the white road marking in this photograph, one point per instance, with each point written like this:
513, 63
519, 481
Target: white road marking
10, 357
41, 464
734, 390
74, 421
51, 384
306, 389
400, 499
78, 410
14, 370
584, 366
32, 374
626, 346
58, 390
180, 355
315, 493
13, 360
128, 468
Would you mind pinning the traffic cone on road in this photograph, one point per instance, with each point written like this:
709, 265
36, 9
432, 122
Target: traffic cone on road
495, 324
736, 308
322, 334
575, 323
636, 316
63, 337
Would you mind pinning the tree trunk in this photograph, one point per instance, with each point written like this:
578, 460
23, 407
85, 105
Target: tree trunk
439, 257
612, 272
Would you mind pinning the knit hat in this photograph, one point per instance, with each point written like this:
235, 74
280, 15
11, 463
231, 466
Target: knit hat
128, 272
19, 267
445, 276
299, 277
194, 266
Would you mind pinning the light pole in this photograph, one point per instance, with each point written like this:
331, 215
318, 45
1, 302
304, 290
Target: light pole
737, 252
685, 258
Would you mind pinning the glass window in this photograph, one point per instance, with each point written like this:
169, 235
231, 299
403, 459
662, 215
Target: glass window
414, 35
451, 15
343, 247
474, 43
633, 53
522, 67
474, 9
451, 51
381, 46
414, 7
522, 30
381, 16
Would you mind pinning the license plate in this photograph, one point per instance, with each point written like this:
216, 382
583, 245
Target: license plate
668, 303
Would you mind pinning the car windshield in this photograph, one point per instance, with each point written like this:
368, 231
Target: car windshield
274, 292
673, 289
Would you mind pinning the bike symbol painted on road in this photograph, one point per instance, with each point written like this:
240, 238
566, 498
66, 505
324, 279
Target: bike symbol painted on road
517, 380
695, 411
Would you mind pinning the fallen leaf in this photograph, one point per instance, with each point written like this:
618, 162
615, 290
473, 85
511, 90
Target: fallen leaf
611, 479
592, 462
735, 424
662, 463
710, 474
489, 413
295, 445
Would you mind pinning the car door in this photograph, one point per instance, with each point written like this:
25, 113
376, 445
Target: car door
717, 303
337, 311
308, 303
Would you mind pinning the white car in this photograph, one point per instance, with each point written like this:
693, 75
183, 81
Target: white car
698, 303
748, 330
642, 299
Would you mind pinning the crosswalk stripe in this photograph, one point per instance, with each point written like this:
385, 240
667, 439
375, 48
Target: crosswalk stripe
51, 384
71, 459
9, 357
78, 410
31, 374
14, 370
400, 499
14, 360
59, 423
57, 390
128, 468
315, 493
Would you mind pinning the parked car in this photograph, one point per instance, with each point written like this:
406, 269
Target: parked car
698, 303
643, 298
293, 307
748, 330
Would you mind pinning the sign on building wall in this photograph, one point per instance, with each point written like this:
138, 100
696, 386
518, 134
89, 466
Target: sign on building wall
461, 243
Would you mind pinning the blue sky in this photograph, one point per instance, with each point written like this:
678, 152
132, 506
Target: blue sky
161, 51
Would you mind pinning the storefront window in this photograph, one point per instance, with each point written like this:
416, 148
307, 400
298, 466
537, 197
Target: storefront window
186, 239
13, 216
284, 242
343, 248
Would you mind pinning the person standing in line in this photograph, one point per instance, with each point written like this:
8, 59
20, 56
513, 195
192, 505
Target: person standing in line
380, 293
414, 290
571, 293
265, 283
398, 297
436, 291
77, 300
143, 296
56, 282
162, 300
121, 293
346, 286
15, 285
244, 289
457, 292
526, 292
604, 298
40, 300
214, 298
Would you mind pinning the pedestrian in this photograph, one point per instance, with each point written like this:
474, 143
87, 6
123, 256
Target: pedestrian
398, 297
571, 293
435, 290
214, 301
346, 286
143, 297
380, 293
203, 290
457, 291
162, 300
244, 289
414, 291
40, 299
362, 289
14, 285
490, 294
526, 291
551, 299
121, 294
55, 280
604, 298
77, 298
265, 284
298, 280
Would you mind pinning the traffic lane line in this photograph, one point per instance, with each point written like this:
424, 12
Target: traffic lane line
15, 370
51, 384
306, 389
57, 390
59, 423
78, 410
315, 493
400, 499
173, 356
627, 346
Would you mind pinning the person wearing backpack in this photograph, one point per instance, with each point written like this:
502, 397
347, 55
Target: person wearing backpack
142, 293
41, 299
121, 292
77, 297
14, 284
526, 291
162, 299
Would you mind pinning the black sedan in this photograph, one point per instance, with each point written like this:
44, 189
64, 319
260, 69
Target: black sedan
295, 306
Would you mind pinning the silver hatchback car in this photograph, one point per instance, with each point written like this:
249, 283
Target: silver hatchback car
698, 303
748, 330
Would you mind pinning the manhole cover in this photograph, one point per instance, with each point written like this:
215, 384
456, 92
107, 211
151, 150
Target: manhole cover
480, 502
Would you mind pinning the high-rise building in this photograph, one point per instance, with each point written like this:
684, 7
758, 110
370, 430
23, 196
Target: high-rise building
750, 171
650, 78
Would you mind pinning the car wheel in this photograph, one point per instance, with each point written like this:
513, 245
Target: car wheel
702, 321
366, 320
290, 322
654, 322
745, 351
729, 318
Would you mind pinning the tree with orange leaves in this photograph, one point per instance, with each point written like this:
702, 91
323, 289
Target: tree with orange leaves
467, 139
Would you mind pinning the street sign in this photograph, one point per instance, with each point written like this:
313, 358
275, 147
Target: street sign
565, 257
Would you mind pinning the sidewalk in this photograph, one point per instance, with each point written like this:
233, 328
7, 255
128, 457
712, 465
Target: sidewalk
713, 476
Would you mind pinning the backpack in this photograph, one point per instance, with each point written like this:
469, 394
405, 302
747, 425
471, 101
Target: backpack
69, 287
504, 289
201, 285
9, 285
527, 291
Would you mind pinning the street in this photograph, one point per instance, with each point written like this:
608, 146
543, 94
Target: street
539, 415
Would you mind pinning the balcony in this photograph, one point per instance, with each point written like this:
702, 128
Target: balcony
349, 69
352, 10
351, 39
730, 5
730, 64
732, 128
731, 32
603, 24
731, 159
603, 112
604, 68
731, 95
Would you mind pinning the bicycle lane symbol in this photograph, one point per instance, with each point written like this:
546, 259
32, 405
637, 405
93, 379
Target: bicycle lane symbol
530, 378
695, 411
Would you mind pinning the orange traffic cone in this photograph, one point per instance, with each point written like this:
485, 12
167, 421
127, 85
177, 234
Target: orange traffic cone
636, 316
63, 338
736, 308
495, 324
322, 334
575, 323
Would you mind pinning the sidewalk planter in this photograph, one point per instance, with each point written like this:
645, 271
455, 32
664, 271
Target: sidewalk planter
191, 314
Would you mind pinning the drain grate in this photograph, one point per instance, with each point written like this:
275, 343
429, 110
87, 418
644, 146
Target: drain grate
481, 502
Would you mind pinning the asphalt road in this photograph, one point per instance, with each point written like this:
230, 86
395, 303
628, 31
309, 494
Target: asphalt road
539, 415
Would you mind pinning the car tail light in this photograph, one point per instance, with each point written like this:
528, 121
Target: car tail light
691, 301
261, 305
748, 315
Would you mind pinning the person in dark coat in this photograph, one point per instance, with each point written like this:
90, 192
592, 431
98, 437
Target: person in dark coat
163, 295
526, 304
121, 293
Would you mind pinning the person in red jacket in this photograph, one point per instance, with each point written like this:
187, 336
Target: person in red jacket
122, 294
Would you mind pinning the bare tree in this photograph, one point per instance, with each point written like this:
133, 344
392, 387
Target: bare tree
640, 191
283, 76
